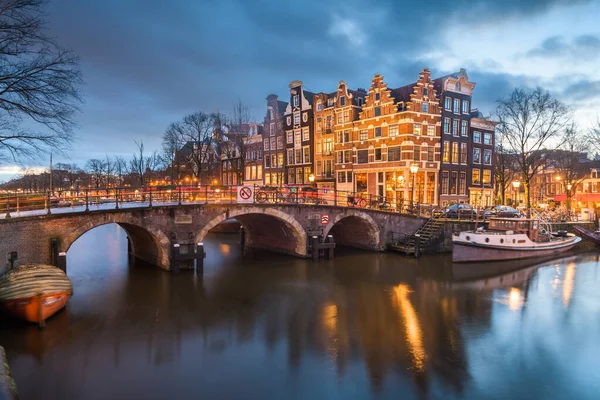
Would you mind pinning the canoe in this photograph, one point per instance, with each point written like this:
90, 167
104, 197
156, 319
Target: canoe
34, 292
593, 237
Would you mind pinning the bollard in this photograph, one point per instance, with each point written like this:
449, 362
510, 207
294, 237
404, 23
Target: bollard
116, 198
330, 250
315, 248
87, 200
417, 245
200, 255
175, 259
62, 261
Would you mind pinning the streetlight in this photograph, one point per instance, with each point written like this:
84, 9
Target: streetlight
414, 168
311, 178
516, 185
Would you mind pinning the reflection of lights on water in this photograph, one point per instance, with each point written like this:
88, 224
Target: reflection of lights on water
414, 335
568, 284
514, 299
225, 249
329, 319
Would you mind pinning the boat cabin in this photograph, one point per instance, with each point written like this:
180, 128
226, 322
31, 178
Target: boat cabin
518, 225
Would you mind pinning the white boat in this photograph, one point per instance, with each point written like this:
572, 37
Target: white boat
510, 239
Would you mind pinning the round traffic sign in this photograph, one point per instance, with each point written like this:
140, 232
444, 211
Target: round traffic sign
245, 192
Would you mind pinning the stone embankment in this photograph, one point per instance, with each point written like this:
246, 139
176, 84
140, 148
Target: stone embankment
8, 388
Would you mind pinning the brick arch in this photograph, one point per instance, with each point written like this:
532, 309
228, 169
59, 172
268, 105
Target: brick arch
290, 222
134, 230
365, 220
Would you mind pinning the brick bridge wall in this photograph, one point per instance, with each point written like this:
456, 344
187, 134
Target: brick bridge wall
152, 231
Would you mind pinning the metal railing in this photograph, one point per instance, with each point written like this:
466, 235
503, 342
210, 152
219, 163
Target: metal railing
18, 203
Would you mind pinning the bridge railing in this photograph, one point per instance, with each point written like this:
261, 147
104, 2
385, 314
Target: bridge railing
19, 203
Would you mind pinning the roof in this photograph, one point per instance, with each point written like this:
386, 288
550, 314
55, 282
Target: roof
310, 96
281, 106
403, 93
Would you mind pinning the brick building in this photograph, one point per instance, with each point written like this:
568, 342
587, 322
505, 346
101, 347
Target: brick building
299, 135
324, 156
273, 142
455, 92
396, 129
481, 160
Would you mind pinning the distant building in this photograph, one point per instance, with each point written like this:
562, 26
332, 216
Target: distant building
253, 165
273, 142
299, 143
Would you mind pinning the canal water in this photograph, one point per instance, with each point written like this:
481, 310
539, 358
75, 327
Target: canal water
265, 326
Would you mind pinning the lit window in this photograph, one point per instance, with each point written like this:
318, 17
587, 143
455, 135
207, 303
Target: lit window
476, 176
393, 130
417, 129
455, 152
430, 130
364, 135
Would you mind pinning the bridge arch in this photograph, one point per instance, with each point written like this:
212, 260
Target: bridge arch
355, 228
147, 243
265, 227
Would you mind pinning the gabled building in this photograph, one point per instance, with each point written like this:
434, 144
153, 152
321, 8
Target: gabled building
274, 142
299, 135
347, 107
455, 91
324, 156
397, 129
253, 165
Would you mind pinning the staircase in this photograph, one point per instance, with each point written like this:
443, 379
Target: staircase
427, 233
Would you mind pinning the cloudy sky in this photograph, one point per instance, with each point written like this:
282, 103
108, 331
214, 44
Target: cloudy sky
147, 63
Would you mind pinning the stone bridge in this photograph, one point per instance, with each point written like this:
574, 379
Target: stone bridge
152, 231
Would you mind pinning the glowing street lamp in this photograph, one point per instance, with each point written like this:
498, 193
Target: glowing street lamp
414, 168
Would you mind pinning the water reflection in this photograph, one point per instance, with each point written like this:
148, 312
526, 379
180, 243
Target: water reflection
270, 326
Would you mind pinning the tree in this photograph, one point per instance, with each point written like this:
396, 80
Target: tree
95, 168
531, 121
201, 144
231, 133
504, 170
120, 169
142, 165
173, 140
39, 83
570, 161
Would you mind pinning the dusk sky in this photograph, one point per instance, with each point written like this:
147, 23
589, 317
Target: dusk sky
148, 63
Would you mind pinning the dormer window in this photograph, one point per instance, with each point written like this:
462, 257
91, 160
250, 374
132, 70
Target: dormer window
377, 96
359, 101
319, 105
457, 86
424, 91
342, 101
329, 102
296, 100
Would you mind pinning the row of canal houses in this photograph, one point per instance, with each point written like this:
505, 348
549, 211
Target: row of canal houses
422, 142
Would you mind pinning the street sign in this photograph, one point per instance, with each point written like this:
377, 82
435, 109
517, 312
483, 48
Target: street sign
324, 219
245, 194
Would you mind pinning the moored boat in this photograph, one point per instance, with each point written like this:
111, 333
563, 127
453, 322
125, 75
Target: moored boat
588, 235
34, 292
510, 239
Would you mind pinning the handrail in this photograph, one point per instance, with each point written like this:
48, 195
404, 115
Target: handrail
20, 203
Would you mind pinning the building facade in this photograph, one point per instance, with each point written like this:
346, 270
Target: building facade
324, 156
481, 159
397, 129
455, 101
274, 142
253, 166
299, 135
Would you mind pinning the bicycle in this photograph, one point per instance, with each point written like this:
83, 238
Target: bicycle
354, 201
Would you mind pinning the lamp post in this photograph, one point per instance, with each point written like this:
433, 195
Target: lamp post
516, 185
414, 168
311, 179
569, 187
